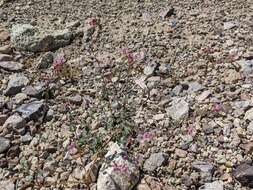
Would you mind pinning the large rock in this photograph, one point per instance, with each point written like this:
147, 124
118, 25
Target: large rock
154, 161
117, 173
179, 109
30, 38
244, 174
32, 110
15, 84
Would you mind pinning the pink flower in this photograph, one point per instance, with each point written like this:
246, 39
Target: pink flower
92, 22
120, 167
72, 148
217, 107
58, 63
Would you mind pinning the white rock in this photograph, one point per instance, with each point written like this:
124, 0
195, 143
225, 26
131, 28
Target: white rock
179, 109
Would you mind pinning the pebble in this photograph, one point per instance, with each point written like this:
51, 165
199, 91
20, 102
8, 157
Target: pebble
11, 66
155, 161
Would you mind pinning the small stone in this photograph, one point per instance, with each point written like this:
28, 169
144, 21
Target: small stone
193, 86
11, 66
250, 127
246, 66
20, 98
154, 161
15, 84
180, 153
149, 182
229, 25
77, 99
203, 167
32, 110
73, 24
164, 69
34, 91
179, 109
150, 69
46, 60
4, 144
186, 180
203, 95
26, 138
14, 122
216, 185
91, 173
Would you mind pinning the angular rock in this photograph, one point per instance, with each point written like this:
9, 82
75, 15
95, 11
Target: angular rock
244, 174
249, 115
216, 185
117, 173
203, 167
4, 35
167, 13
14, 122
77, 99
180, 153
91, 172
149, 182
4, 144
154, 161
35, 91
20, 98
192, 86
3, 118
30, 38
150, 69
179, 109
11, 66
15, 84
246, 66
32, 110
229, 25
46, 60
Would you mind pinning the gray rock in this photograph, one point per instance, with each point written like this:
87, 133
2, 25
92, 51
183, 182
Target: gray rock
30, 38
5, 57
164, 69
4, 144
35, 91
216, 185
46, 60
179, 109
6, 49
11, 66
32, 110
154, 161
26, 138
244, 174
118, 173
177, 89
14, 122
7, 185
15, 84
250, 128
203, 167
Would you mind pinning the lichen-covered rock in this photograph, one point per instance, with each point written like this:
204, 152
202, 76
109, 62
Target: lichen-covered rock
30, 38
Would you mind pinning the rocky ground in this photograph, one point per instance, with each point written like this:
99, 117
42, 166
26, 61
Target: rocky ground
118, 95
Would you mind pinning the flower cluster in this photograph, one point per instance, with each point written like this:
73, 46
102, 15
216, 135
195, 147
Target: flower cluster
58, 63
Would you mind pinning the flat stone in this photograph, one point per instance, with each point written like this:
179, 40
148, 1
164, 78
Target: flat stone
14, 122
193, 86
179, 109
76, 99
246, 66
148, 183
203, 167
34, 39
150, 69
248, 147
154, 161
16, 82
229, 25
4, 144
11, 66
203, 95
20, 98
32, 110
4, 35
35, 91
